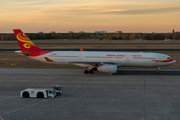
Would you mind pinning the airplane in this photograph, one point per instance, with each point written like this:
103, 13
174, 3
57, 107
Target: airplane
107, 62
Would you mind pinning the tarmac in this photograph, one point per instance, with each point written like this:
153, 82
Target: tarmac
127, 95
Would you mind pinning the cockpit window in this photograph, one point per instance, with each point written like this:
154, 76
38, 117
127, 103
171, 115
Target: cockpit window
168, 57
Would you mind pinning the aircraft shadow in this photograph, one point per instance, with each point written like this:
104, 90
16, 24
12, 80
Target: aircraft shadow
146, 72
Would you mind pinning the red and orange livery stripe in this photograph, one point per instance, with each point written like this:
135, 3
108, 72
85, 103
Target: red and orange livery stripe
39, 53
166, 60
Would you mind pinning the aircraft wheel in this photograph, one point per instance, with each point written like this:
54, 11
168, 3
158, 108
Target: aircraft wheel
86, 72
91, 71
95, 69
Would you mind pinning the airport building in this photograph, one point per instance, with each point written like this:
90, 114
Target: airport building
118, 31
70, 32
81, 32
100, 31
52, 32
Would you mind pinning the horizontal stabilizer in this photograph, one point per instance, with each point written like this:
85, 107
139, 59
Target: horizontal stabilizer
49, 60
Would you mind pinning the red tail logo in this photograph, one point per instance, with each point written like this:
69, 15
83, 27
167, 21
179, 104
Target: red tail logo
22, 38
28, 48
24, 42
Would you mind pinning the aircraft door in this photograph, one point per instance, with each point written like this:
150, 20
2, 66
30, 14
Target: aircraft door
128, 57
80, 57
159, 57
42, 55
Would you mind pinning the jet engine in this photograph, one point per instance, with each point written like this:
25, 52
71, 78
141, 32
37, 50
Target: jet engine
107, 68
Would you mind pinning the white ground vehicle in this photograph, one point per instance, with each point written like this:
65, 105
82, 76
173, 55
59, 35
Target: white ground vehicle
42, 93
38, 93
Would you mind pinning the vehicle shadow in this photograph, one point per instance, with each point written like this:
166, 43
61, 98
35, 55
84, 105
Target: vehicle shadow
147, 72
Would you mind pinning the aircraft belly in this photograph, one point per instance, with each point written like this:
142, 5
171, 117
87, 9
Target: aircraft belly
133, 64
140, 64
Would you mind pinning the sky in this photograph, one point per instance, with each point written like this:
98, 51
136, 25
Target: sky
61, 16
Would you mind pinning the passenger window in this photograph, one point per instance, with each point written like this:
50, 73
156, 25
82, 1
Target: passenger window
53, 53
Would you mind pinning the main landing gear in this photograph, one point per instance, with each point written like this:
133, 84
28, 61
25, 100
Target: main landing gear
91, 71
157, 71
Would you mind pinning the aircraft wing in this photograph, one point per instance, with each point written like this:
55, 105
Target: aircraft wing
84, 62
89, 62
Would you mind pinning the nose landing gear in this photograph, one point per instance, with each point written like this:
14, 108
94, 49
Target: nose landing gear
157, 71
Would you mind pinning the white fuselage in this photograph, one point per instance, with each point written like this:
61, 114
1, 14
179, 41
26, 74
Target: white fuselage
120, 58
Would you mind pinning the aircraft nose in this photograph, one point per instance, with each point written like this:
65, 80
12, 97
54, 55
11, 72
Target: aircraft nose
174, 61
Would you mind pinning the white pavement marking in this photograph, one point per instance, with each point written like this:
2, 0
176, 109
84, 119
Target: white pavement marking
63, 104
23, 107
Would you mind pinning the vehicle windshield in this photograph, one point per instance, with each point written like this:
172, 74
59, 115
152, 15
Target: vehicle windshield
57, 88
50, 91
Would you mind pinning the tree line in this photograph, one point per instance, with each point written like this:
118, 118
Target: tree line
100, 36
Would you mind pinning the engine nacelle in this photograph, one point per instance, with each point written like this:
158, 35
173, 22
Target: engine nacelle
107, 68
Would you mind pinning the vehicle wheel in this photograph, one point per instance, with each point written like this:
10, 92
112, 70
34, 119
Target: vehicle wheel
86, 72
25, 94
157, 71
91, 71
40, 95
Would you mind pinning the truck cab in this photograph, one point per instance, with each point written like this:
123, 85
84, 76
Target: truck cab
58, 89
51, 93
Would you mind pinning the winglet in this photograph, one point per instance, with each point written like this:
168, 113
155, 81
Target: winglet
49, 60
81, 49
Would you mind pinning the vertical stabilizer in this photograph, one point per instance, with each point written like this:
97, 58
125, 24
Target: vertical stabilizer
24, 42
